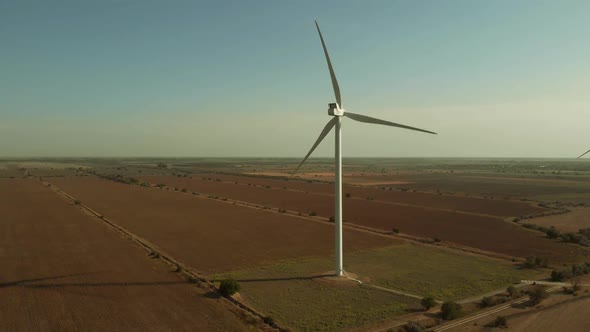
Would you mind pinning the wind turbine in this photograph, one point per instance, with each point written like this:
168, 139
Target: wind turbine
337, 112
583, 154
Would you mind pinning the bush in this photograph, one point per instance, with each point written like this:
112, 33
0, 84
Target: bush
538, 295
500, 321
229, 287
512, 291
552, 233
560, 275
347, 195
77, 202
428, 302
578, 270
414, 327
312, 214
332, 219
450, 310
396, 230
535, 262
270, 321
488, 301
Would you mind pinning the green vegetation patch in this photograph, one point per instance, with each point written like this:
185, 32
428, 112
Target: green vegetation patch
323, 305
297, 293
445, 275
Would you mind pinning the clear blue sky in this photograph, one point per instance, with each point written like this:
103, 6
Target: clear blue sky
248, 78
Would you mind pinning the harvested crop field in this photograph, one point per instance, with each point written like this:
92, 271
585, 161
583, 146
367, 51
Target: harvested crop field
568, 316
63, 270
498, 186
559, 313
494, 207
572, 221
485, 233
211, 235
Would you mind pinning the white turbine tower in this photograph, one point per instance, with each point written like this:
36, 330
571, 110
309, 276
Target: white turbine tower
583, 154
336, 110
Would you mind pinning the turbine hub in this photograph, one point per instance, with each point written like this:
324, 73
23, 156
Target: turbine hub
335, 110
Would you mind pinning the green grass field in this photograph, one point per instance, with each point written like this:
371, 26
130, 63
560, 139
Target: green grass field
446, 275
324, 305
293, 292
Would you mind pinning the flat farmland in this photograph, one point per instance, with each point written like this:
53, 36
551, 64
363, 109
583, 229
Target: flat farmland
211, 235
485, 233
495, 207
302, 299
573, 221
560, 312
63, 270
501, 186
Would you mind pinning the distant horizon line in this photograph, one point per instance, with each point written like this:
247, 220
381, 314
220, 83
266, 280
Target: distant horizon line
262, 157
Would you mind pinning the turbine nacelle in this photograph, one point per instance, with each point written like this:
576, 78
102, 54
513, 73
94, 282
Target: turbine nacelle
335, 110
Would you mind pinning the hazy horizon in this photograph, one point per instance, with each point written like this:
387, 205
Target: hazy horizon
136, 79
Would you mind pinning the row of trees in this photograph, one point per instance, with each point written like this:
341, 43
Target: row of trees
570, 272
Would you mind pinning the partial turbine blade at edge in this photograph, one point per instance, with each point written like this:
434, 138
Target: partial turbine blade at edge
323, 134
332, 74
583, 154
368, 119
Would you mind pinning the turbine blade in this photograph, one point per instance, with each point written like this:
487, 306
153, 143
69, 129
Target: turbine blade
583, 154
323, 134
332, 75
368, 119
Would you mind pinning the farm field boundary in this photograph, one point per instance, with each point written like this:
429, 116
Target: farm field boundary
157, 252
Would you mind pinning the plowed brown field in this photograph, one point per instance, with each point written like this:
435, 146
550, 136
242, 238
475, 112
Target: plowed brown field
495, 207
486, 233
63, 270
210, 235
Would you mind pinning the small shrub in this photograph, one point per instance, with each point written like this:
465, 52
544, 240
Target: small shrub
538, 295
428, 302
229, 287
450, 310
500, 321
552, 233
413, 327
270, 321
77, 202
490, 301
560, 275
347, 195
332, 219
312, 214
532, 262
487, 301
395, 230
512, 291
